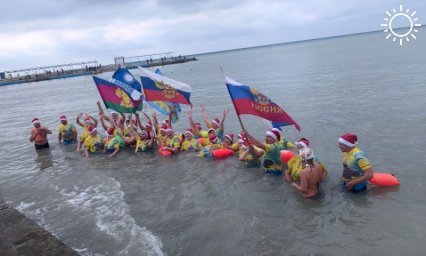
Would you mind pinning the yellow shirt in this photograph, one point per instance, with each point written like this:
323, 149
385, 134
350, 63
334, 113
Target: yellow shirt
67, 131
173, 142
85, 132
94, 144
190, 145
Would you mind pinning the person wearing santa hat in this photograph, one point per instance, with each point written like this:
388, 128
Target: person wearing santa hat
357, 169
271, 147
190, 143
228, 142
39, 134
284, 143
113, 143
302, 145
172, 141
249, 155
66, 131
88, 120
215, 123
94, 143
138, 140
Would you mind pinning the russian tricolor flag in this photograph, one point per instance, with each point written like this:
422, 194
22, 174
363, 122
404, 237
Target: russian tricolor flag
160, 88
248, 100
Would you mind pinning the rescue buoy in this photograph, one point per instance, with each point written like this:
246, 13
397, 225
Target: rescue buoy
222, 153
201, 141
286, 155
384, 179
164, 152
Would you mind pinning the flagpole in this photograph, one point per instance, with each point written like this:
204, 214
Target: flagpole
238, 114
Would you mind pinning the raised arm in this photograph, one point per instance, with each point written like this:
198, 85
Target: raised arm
101, 112
103, 123
95, 122
77, 120
254, 141
225, 113
192, 123
205, 117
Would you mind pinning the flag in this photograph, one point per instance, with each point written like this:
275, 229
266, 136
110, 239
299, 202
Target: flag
125, 80
248, 100
160, 88
115, 97
166, 107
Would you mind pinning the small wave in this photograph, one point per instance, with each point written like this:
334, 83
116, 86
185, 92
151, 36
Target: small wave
111, 214
22, 206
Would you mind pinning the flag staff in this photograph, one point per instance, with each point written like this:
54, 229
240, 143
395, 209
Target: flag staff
238, 114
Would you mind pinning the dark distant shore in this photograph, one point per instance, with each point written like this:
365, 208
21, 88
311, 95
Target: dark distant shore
21, 236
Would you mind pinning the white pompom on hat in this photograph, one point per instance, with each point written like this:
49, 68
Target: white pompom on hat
349, 139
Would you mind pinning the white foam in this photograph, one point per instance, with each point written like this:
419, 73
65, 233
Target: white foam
22, 206
106, 202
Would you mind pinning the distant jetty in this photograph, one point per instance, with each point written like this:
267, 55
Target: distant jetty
151, 60
88, 68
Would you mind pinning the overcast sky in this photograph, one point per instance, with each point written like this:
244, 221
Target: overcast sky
45, 32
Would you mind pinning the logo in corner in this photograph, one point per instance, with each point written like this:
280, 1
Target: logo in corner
405, 15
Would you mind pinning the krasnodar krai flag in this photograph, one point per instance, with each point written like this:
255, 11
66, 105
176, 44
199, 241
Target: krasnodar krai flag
123, 78
160, 88
250, 101
115, 98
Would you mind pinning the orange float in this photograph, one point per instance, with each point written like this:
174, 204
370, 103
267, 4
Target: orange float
222, 153
286, 155
164, 152
384, 179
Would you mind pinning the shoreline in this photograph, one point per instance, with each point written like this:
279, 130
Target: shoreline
22, 236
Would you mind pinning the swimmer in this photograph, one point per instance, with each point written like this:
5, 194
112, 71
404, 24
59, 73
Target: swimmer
310, 176
66, 131
94, 143
39, 135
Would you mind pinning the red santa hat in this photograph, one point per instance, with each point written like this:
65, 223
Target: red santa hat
216, 121
230, 137
303, 142
349, 139
35, 120
274, 134
189, 131
87, 119
63, 118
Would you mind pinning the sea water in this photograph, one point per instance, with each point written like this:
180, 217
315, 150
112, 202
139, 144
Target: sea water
145, 204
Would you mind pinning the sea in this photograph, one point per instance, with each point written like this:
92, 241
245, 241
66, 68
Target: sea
147, 204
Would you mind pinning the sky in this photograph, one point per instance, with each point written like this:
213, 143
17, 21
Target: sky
49, 32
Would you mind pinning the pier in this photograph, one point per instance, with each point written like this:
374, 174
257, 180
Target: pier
49, 72
36, 74
152, 60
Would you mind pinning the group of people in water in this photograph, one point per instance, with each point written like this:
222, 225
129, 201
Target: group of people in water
276, 155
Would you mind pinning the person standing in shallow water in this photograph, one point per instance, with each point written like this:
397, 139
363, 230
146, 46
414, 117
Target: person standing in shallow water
357, 169
310, 176
39, 135
66, 131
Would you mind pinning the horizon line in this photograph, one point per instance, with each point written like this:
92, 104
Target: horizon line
290, 42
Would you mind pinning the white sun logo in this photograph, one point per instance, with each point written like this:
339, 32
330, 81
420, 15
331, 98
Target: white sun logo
403, 14
128, 78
